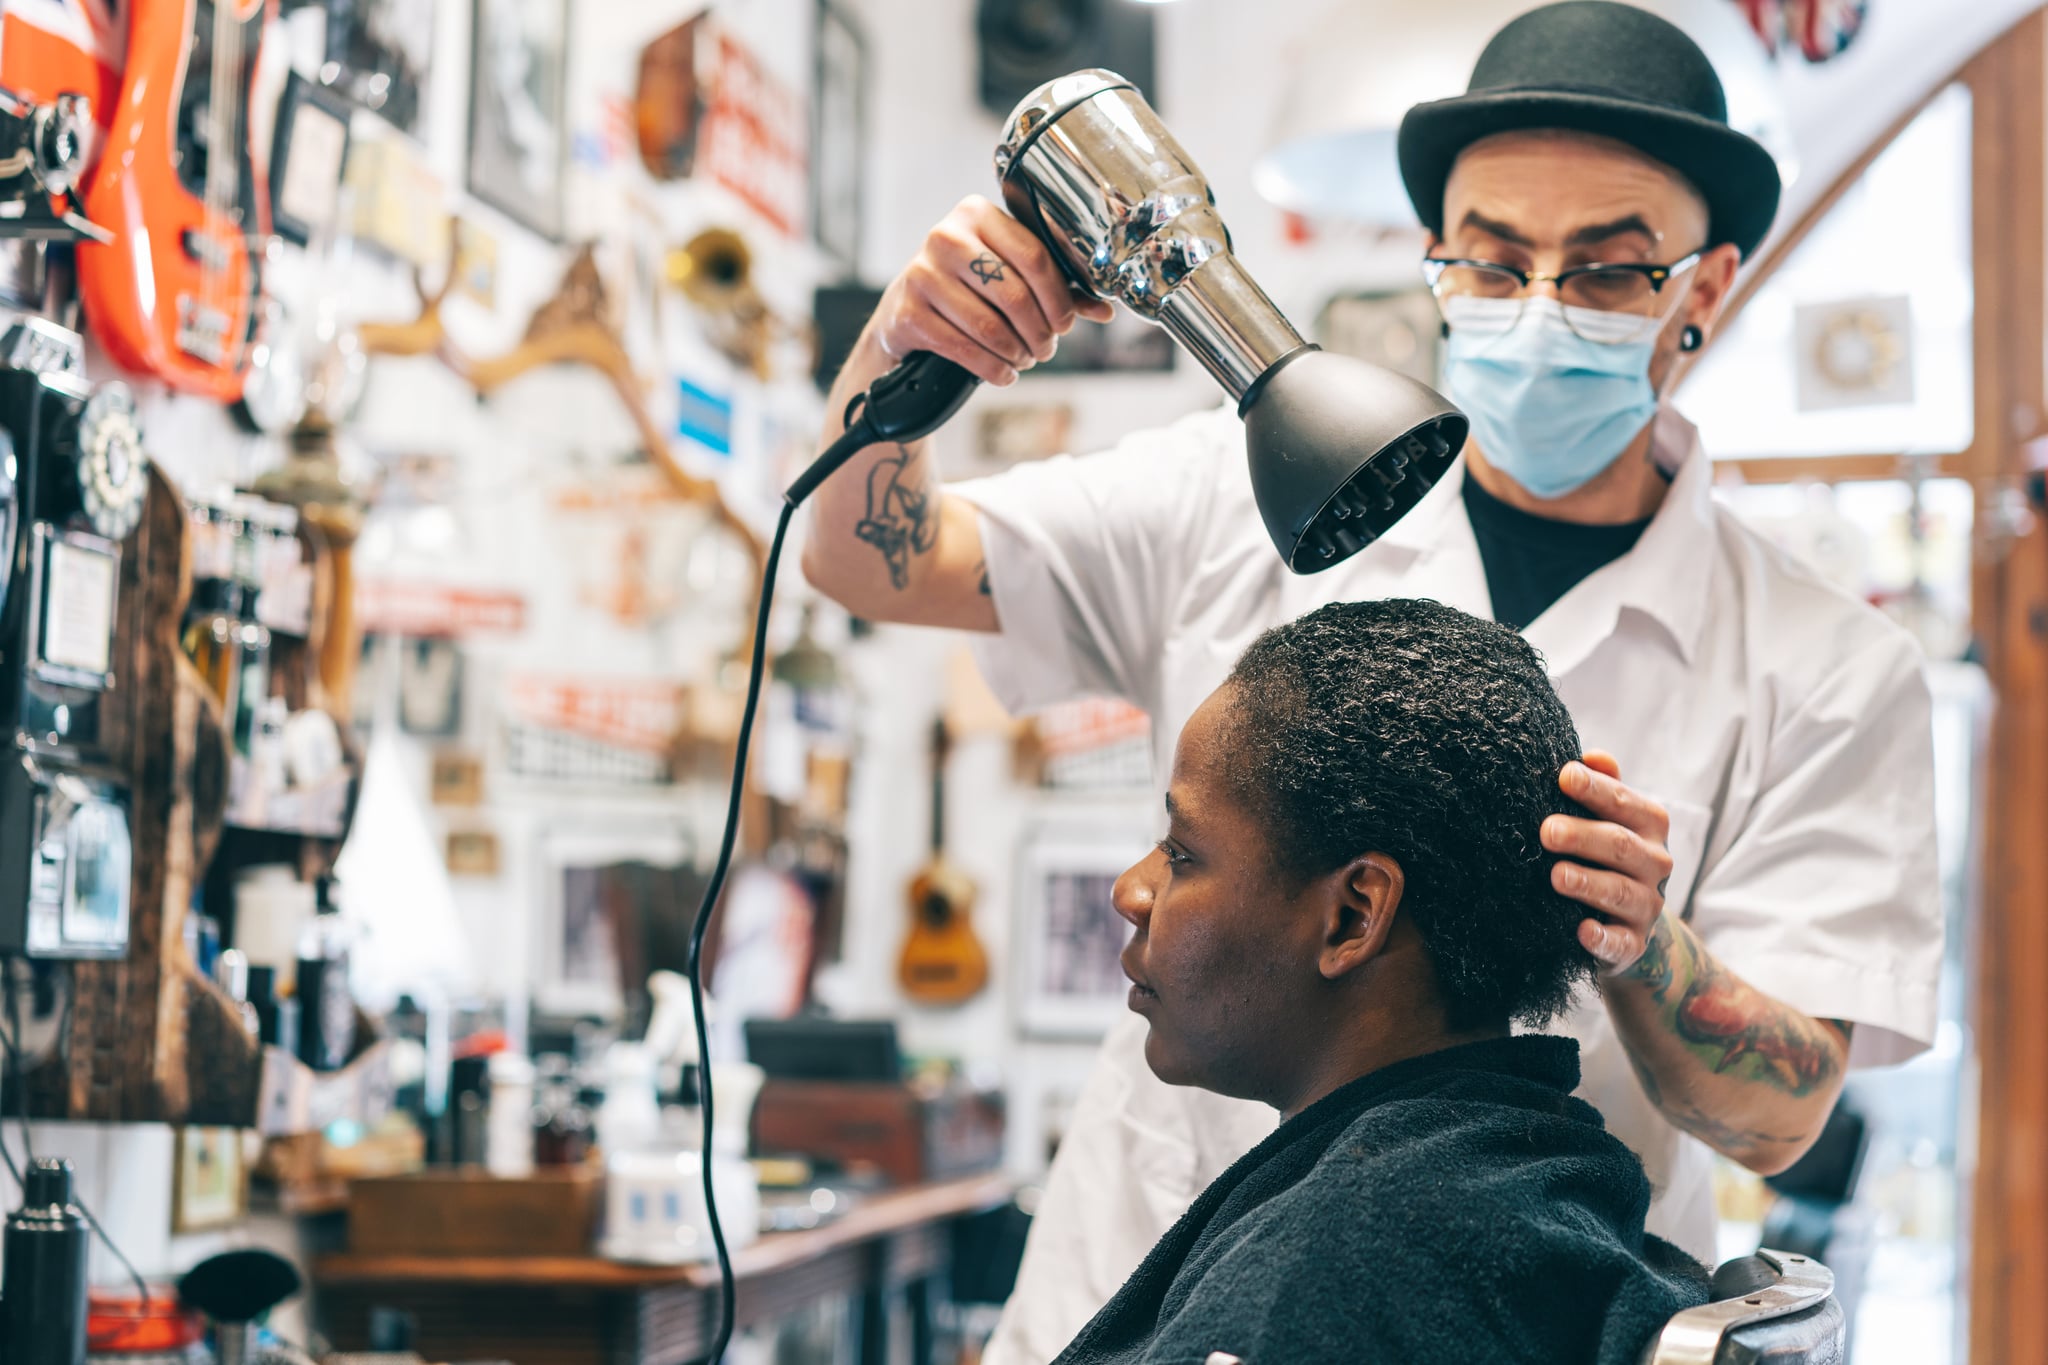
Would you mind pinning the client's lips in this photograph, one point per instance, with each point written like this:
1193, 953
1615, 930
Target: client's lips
1139, 989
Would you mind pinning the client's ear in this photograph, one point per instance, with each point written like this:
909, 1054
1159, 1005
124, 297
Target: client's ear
1363, 896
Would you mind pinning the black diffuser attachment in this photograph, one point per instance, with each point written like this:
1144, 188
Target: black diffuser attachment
45, 1282
1341, 450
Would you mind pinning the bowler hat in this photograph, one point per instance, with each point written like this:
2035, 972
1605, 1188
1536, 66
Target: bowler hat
1598, 67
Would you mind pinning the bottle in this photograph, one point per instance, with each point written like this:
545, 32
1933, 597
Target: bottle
229, 646
327, 1012
630, 1119
508, 1132
44, 1288
277, 1016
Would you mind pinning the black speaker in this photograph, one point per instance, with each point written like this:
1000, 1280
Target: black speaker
1025, 43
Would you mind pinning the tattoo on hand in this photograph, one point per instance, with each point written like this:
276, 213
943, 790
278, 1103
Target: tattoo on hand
1729, 1024
899, 520
987, 268
982, 569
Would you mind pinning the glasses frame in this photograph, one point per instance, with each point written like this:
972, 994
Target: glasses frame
1433, 268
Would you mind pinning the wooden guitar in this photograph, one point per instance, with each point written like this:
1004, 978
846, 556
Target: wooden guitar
174, 296
943, 963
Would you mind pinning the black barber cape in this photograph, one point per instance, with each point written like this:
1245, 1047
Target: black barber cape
1450, 1209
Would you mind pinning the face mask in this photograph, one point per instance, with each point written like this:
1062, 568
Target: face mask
1549, 408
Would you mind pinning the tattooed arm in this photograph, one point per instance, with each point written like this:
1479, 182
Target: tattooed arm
1748, 1075
885, 541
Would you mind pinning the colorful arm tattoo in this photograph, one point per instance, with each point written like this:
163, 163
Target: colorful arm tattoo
1735, 1029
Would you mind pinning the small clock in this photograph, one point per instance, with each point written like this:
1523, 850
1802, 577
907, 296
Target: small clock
113, 472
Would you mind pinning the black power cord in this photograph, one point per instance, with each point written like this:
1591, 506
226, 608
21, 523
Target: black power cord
908, 403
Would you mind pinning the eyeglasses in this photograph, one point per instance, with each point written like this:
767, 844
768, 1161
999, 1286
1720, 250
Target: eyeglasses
1622, 291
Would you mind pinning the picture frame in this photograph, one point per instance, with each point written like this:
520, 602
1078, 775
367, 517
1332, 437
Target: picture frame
518, 148
607, 889
378, 56
457, 779
209, 1179
309, 154
1067, 938
838, 136
430, 669
473, 853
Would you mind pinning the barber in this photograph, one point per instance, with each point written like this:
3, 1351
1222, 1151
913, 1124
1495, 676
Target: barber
1762, 892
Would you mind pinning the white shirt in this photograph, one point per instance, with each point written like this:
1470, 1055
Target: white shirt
1784, 725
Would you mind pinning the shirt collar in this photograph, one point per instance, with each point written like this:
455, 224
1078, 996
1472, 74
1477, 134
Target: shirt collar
1667, 577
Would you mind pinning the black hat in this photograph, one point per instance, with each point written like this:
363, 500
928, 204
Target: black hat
1598, 67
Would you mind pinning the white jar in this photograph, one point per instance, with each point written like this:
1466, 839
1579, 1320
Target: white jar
508, 1131
629, 1120
272, 909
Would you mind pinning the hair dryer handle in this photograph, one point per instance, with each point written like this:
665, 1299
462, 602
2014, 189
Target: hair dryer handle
908, 403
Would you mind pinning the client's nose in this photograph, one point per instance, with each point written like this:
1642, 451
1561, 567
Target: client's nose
1132, 894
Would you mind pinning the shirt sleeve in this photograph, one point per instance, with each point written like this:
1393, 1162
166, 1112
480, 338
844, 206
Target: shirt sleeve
1829, 897
1086, 557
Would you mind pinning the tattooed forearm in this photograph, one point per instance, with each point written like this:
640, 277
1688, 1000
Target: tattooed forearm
1734, 1028
902, 515
987, 268
1721, 1135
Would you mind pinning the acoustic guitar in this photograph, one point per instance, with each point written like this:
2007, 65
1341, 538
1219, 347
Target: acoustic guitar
174, 296
943, 963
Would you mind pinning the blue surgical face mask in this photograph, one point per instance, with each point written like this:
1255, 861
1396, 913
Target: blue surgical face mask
1550, 409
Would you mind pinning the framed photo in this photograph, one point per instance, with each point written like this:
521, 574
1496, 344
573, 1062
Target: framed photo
517, 110
838, 137
473, 853
308, 153
458, 779
379, 51
614, 903
430, 686
209, 1183
1069, 936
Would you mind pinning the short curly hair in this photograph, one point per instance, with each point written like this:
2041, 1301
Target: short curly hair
1411, 729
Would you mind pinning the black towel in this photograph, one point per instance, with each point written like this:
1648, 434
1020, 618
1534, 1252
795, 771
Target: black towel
1450, 1209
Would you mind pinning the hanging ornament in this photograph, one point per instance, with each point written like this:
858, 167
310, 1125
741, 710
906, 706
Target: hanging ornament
1816, 29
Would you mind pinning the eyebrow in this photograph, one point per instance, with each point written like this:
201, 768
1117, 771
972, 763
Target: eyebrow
1585, 236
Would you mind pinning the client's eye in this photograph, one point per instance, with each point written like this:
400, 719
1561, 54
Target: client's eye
1174, 857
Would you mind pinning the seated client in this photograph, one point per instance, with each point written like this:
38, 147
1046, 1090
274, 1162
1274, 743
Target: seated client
1348, 911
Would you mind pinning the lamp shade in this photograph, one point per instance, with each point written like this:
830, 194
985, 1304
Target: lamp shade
1364, 65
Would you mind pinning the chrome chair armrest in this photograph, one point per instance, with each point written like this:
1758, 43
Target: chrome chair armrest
1694, 1337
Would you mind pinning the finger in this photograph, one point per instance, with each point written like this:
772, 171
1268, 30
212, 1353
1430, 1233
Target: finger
922, 329
1600, 761
1611, 799
1615, 947
1606, 844
1035, 268
999, 283
978, 318
1622, 899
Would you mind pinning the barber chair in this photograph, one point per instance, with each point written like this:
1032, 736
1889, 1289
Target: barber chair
1772, 1308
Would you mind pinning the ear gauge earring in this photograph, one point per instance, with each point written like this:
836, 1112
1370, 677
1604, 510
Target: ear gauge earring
1691, 339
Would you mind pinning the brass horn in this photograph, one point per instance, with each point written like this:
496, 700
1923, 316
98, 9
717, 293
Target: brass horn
715, 272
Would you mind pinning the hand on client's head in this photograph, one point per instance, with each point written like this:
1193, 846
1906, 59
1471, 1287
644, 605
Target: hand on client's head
1351, 873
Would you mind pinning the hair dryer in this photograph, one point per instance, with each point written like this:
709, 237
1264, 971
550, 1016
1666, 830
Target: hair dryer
1339, 449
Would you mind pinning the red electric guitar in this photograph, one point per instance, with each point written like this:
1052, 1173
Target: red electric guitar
174, 296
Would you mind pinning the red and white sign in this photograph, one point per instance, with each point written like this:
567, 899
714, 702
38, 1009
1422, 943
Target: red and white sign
384, 607
752, 139
634, 713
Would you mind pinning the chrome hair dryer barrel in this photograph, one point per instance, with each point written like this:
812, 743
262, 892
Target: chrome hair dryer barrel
1339, 449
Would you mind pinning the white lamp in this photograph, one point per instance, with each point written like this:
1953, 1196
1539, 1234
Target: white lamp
1359, 69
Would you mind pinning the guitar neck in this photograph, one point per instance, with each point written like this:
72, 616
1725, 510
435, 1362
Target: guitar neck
938, 788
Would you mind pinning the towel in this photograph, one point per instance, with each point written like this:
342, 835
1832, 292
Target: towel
1453, 1208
